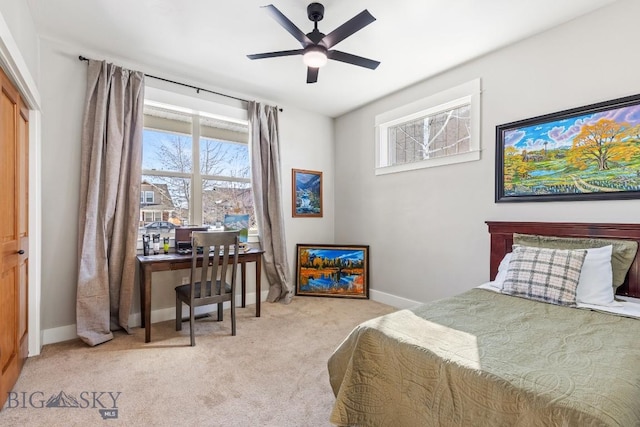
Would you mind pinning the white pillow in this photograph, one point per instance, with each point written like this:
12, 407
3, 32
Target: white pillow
596, 278
502, 270
502, 273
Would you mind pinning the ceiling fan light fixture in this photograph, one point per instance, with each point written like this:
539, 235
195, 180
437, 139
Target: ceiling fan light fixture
315, 57
317, 46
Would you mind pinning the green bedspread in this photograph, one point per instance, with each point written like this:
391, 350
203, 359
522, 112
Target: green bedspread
486, 359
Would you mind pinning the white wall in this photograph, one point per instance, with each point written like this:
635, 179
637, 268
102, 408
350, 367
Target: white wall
426, 228
62, 88
18, 18
306, 142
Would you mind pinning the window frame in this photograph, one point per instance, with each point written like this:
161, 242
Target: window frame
196, 177
208, 106
146, 197
465, 94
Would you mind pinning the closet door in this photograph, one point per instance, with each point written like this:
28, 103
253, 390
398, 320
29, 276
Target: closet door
14, 232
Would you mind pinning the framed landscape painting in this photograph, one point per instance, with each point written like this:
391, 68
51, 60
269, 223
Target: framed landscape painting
332, 270
238, 222
306, 193
586, 153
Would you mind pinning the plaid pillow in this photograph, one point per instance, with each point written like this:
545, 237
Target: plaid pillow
547, 275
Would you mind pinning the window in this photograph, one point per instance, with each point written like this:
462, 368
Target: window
146, 197
195, 169
441, 129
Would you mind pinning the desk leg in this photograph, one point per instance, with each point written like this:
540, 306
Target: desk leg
258, 278
145, 301
243, 278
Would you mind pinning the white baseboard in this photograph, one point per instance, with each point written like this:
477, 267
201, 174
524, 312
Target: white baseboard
62, 333
66, 333
69, 332
392, 300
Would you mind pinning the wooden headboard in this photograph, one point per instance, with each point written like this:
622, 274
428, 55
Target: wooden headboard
502, 239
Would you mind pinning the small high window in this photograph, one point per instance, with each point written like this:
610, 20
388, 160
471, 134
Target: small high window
441, 129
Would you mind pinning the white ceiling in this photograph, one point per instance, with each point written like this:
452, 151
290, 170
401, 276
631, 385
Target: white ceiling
205, 42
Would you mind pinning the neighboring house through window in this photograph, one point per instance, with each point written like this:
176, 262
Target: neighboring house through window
156, 204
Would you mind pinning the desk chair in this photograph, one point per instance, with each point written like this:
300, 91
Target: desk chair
222, 247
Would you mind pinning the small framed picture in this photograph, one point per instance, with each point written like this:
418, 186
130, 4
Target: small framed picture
332, 270
306, 194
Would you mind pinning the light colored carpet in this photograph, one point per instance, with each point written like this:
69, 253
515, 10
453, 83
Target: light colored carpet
272, 373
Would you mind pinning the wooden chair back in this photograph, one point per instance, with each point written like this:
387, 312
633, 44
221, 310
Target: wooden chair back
220, 247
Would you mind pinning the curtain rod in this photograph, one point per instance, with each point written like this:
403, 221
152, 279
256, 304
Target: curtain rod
197, 89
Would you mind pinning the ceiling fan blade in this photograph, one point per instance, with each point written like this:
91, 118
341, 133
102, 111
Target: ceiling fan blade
354, 24
312, 74
353, 59
288, 25
275, 54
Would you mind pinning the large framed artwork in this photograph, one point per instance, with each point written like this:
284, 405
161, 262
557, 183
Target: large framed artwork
306, 193
332, 270
586, 153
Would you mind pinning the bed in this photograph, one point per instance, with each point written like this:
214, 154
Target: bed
484, 358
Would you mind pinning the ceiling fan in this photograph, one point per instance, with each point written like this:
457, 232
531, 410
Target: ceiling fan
316, 45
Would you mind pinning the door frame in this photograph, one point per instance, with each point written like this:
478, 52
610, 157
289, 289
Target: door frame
15, 67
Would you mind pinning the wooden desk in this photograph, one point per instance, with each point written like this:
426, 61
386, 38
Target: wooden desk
152, 263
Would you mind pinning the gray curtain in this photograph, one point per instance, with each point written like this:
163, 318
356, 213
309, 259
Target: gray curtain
265, 171
109, 200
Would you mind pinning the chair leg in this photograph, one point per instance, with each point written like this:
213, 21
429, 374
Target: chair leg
233, 317
219, 312
178, 314
192, 324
